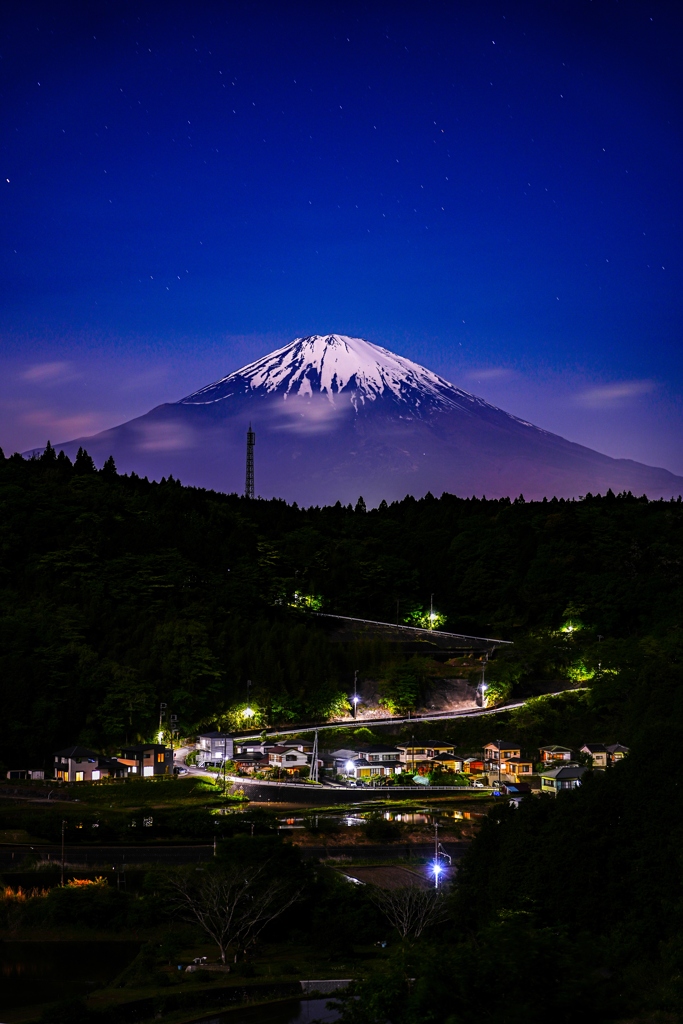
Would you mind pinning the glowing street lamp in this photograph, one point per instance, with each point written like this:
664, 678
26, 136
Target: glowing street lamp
355, 699
248, 711
437, 869
349, 767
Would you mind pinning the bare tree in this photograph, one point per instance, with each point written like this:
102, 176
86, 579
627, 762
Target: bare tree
232, 905
410, 909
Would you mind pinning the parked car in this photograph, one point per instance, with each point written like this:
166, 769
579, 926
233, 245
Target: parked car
179, 770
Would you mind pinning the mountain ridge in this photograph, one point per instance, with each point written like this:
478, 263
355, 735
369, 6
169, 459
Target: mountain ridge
337, 416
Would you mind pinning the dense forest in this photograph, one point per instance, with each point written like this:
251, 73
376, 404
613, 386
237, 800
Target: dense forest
117, 593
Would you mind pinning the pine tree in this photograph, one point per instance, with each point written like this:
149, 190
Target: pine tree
109, 468
84, 463
49, 455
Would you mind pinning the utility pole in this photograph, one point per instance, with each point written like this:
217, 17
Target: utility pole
162, 716
249, 484
314, 759
437, 865
355, 692
63, 830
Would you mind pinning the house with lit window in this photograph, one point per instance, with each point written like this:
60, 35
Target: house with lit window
497, 751
473, 766
251, 761
551, 755
148, 760
289, 759
597, 753
215, 747
449, 762
360, 768
616, 752
378, 758
79, 764
409, 753
567, 776
516, 767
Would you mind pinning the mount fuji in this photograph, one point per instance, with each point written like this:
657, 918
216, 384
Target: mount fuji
336, 417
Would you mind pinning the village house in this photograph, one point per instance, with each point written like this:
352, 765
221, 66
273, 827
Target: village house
251, 761
147, 760
377, 758
473, 766
497, 751
514, 767
214, 747
411, 754
79, 764
597, 753
360, 768
550, 755
289, 759
568, 776
26, 773
616, 752
449, 762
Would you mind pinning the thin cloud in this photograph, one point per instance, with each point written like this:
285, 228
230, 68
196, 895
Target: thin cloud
63, 427
490, 373
608, 396
310, 415
164, 437
48, 373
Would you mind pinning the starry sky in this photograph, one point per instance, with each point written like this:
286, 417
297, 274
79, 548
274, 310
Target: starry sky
491, 189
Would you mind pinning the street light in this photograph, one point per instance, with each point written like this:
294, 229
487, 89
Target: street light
355, 699
437, 869
248, 711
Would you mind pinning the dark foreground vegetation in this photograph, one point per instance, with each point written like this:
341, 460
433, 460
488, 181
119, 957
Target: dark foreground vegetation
118, 593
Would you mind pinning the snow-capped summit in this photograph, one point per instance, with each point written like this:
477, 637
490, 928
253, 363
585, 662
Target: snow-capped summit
339, 368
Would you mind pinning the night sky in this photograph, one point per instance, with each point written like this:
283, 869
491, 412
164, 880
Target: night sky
492, 189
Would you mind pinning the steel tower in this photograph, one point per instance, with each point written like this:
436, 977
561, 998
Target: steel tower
249, 486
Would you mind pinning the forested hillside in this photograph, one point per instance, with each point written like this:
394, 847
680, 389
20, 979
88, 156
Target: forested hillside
117, 593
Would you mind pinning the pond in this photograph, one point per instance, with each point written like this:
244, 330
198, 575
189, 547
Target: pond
42, 972
360, 814
291, 1011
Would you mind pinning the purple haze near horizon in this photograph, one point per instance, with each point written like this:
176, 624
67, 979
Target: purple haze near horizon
491, 190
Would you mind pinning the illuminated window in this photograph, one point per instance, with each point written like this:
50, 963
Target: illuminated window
79, 776
148, 770
160, 758
96, 775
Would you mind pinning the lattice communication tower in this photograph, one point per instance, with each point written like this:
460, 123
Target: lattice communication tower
249, 485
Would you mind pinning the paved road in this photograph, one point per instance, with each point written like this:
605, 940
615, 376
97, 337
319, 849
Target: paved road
371, 723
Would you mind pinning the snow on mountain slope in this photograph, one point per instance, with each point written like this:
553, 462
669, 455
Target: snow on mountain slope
340, 368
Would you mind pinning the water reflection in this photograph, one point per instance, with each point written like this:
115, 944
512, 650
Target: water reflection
300, 1011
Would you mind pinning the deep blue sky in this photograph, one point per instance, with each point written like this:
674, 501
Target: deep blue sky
493, 189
